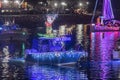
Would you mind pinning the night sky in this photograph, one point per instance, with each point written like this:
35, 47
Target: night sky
71, 18
115, 5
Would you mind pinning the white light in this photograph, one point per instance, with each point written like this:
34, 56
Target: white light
63, 3
80, 4
2, 11
55, 4
87, 3
93, 24
47, 10
5, 1
7, 23
41, 2
17, 2
67, 9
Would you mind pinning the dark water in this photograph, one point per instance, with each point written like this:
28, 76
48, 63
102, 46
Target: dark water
101, 66
96, 71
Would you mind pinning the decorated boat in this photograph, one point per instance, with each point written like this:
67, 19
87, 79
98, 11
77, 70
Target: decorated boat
53, 51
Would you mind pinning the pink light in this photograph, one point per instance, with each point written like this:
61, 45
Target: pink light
103, 28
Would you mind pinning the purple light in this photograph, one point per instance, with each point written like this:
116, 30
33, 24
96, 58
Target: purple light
102, 28
107, 11
102, 45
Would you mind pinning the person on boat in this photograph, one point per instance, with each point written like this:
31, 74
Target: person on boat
98, 21
6, 53
6, 50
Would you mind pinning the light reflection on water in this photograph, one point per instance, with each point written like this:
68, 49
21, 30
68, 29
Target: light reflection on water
102, 45
55, 73
105, 70
101, 68
96, 71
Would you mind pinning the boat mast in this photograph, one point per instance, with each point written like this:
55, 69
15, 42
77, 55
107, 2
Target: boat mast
107, 10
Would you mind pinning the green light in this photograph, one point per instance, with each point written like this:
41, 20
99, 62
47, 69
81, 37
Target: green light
46, 35
23, 33
23, 49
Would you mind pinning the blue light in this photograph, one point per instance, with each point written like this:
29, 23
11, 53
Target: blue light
1, 28
36, 72
63, 39
55, 57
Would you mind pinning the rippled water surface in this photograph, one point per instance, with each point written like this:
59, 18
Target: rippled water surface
96, 71
101, 67
102, 45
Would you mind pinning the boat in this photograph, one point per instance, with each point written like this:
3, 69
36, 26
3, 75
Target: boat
13, 36
106, 22
51, 51
55, 58
13, 32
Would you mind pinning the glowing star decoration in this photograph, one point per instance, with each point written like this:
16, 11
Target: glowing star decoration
50, 19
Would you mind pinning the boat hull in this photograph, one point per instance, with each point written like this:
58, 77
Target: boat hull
56, 58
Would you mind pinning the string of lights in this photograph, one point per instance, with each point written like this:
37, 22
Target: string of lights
47, 6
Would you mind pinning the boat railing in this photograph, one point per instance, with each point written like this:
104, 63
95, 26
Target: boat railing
104, 28
13, 31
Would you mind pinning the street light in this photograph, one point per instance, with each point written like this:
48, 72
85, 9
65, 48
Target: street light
80, 4
55, 4
63, 4
41, 2
87, 3
17, 1
5, 1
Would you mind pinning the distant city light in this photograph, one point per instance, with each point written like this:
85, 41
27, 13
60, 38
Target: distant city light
67, 9
47, 10
55, 4
93, 24
23, 33
80, 4
87, 3
63, 3
17, 1
2, 11
5, 1
7, 10
40, 2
